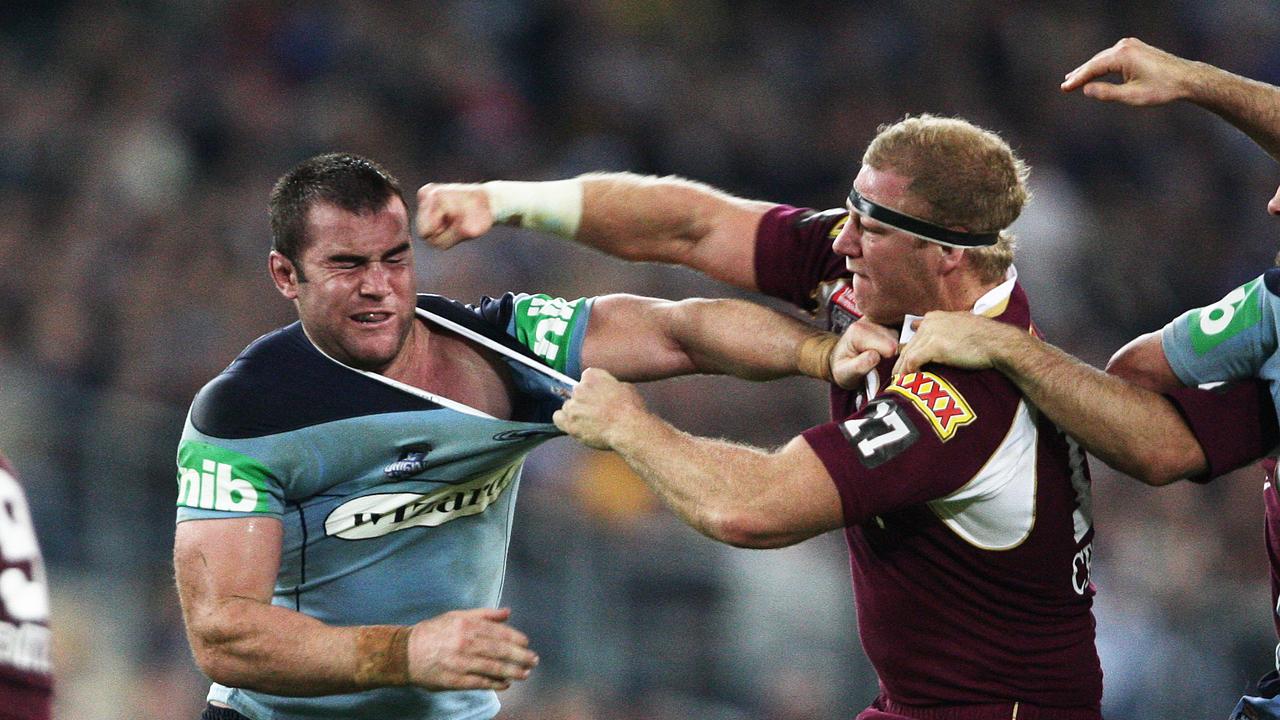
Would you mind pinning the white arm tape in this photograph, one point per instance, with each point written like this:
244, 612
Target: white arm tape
553, 207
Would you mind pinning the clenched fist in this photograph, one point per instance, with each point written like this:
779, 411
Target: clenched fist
600, 409
451, 213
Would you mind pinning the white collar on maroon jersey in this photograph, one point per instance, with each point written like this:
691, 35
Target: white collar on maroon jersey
991, 304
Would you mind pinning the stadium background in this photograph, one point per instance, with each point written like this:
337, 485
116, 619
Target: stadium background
138, 141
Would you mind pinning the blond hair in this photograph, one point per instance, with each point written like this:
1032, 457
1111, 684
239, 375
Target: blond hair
969, 177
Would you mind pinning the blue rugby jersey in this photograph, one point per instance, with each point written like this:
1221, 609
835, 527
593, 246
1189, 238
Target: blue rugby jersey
1235, 339
396, 504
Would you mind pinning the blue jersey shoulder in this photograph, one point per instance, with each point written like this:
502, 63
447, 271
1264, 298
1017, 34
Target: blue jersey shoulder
1271, 278
490, 317
282, 383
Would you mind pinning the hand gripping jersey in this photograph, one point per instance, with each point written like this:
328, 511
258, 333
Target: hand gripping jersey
26, 684
968, 514
396, 504
1236, 339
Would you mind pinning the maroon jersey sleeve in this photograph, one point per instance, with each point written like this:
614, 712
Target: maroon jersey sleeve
1235, 423
923, 437
25, 682
794, 256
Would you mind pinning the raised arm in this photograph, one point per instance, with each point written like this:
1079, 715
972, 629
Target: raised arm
1131, 428
226, 569
639, 338
1151, 76
667, 220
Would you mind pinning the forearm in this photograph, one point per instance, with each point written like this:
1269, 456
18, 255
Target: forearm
739, 338
253, 645
1250, 105
714, 486
647, 218
1134, 430
640, 218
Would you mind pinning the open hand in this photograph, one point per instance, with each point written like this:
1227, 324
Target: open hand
959, 339
469, 650
1150, 76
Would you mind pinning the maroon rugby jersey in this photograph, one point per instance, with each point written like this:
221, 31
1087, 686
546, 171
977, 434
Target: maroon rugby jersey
25, 681
968, 515
1235, 425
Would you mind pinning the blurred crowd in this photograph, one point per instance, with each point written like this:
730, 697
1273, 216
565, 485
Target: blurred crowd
139, 140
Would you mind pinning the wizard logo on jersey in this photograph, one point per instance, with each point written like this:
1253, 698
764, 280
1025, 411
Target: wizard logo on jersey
938, 400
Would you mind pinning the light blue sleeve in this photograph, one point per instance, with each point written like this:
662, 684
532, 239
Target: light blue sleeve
216, 480
1229, 340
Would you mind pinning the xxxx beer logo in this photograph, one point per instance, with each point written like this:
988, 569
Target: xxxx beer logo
940, 403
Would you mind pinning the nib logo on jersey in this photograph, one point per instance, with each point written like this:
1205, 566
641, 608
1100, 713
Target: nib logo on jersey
214, 478
372, 516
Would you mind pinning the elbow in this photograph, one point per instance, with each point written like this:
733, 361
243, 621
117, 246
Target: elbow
1142, 362
216, 664
747, 529
1156, 476
1167, 466
212, 648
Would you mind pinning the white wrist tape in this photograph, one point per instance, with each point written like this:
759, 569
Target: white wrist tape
553, 207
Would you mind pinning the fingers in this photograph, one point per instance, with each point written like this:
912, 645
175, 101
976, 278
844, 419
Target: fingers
498, 615
469, 649
851, 373
596, 376
907, 361
876, 337
1111, 92
601, 409
1103, 63
1149, 75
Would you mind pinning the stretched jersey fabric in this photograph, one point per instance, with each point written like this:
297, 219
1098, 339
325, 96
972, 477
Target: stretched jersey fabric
967, 513
396, 504
1236, 339
26, 683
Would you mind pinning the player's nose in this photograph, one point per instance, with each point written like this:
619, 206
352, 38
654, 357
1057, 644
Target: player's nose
1273, 207
847, 242
376, 280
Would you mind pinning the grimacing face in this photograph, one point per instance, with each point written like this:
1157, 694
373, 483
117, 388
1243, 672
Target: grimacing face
894, 273
357, 303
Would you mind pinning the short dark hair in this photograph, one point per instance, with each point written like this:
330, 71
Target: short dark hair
349, 182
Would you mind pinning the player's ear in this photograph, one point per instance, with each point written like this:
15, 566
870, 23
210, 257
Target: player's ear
951, 257
284, 274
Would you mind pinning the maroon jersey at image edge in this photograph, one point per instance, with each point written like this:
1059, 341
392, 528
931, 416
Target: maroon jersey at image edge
26, 685
950, 612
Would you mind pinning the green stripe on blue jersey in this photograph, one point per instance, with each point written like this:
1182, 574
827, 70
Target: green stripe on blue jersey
545, 325
1212, 325
214, 478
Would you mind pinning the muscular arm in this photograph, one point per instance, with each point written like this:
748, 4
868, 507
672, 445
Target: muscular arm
672, 220
668, 220
736, 494
226, 570
1129, 427
1151, 76
638, 338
